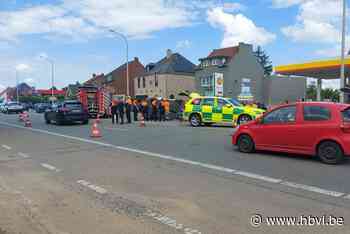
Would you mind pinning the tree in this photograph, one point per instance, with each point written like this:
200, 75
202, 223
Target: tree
264, 60
329, 94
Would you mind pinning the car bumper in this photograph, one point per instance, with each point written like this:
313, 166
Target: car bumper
73, 117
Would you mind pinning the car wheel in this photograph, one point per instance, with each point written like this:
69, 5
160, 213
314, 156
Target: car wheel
47, 121
245, 144
195, 120
330, 152
244, 119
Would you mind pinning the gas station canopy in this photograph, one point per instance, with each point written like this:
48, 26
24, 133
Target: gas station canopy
319, 69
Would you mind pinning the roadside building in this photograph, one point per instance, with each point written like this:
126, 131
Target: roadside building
235, 72
48, 92
168, 77
116, 81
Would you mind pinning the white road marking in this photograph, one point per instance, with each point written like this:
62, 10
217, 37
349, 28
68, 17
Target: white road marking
258, 177
96, 188
50, 167
23, 155
190, 162
171, 222
6, 147
313, 189
117, 129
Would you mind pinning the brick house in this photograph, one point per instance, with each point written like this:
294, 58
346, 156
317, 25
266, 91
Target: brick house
116, 83
168, 77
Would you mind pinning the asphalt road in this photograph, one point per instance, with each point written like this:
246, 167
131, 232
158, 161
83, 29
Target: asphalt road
208, 145
170, 171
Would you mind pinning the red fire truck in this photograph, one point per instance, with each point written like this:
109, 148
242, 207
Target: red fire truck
95, 100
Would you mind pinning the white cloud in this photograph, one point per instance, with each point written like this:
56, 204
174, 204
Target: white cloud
22, 67
83, 19
285, 3
184, 44
238, 28
317, 21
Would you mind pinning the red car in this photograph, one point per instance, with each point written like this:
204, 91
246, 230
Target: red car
310, 128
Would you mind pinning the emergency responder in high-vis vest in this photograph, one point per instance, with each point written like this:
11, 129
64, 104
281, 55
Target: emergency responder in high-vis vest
128, 108
166, 106
154, 104
144, 105
135, 109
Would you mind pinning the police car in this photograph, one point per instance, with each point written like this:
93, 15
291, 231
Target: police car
208, 110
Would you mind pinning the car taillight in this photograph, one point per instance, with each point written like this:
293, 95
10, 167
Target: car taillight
64, 109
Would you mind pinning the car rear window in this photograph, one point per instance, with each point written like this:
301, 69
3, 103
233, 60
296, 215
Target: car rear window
316, 113
73, 105
346, 115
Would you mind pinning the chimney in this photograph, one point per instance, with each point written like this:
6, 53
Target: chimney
168, 53
136, 59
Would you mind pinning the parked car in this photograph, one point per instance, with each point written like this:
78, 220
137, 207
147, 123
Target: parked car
41, 107
13, 107
208, 110
66, 112
310, 128
2, 107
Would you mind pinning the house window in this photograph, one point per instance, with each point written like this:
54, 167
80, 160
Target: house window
143, 82
138, 82
155, 80
109, 78
206, 81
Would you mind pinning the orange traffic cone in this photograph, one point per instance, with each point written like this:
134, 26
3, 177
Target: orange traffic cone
142, 121
20, 117
95, 131
98, 120
27, 122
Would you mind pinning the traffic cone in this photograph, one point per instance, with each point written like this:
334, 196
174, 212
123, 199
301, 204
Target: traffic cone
27, 122
21, 117
142, 121
98, 120
95, 131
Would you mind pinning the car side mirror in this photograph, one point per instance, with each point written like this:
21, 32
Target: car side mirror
228, 105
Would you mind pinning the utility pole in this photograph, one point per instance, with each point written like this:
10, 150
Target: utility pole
342, 67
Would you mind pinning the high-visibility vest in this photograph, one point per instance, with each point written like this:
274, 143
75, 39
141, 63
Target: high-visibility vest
166, 106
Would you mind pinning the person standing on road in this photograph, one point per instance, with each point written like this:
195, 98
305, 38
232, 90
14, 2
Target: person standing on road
144, 106
114, 112
128, 107
166, 108
154, 104
135, 108
120, 108
161, 110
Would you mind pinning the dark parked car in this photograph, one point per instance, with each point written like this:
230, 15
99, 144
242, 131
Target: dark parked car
41, 107
67, 112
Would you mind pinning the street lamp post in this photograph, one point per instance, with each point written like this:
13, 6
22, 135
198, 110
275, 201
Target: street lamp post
342, 68
127, 57
17, 97
52, 63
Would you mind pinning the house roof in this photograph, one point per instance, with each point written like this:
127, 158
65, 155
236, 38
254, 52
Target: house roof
174, 64
229, 52
49, 92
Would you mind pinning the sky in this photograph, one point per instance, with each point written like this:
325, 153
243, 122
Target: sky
74, 34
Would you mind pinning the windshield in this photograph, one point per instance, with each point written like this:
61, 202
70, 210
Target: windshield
233, 101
